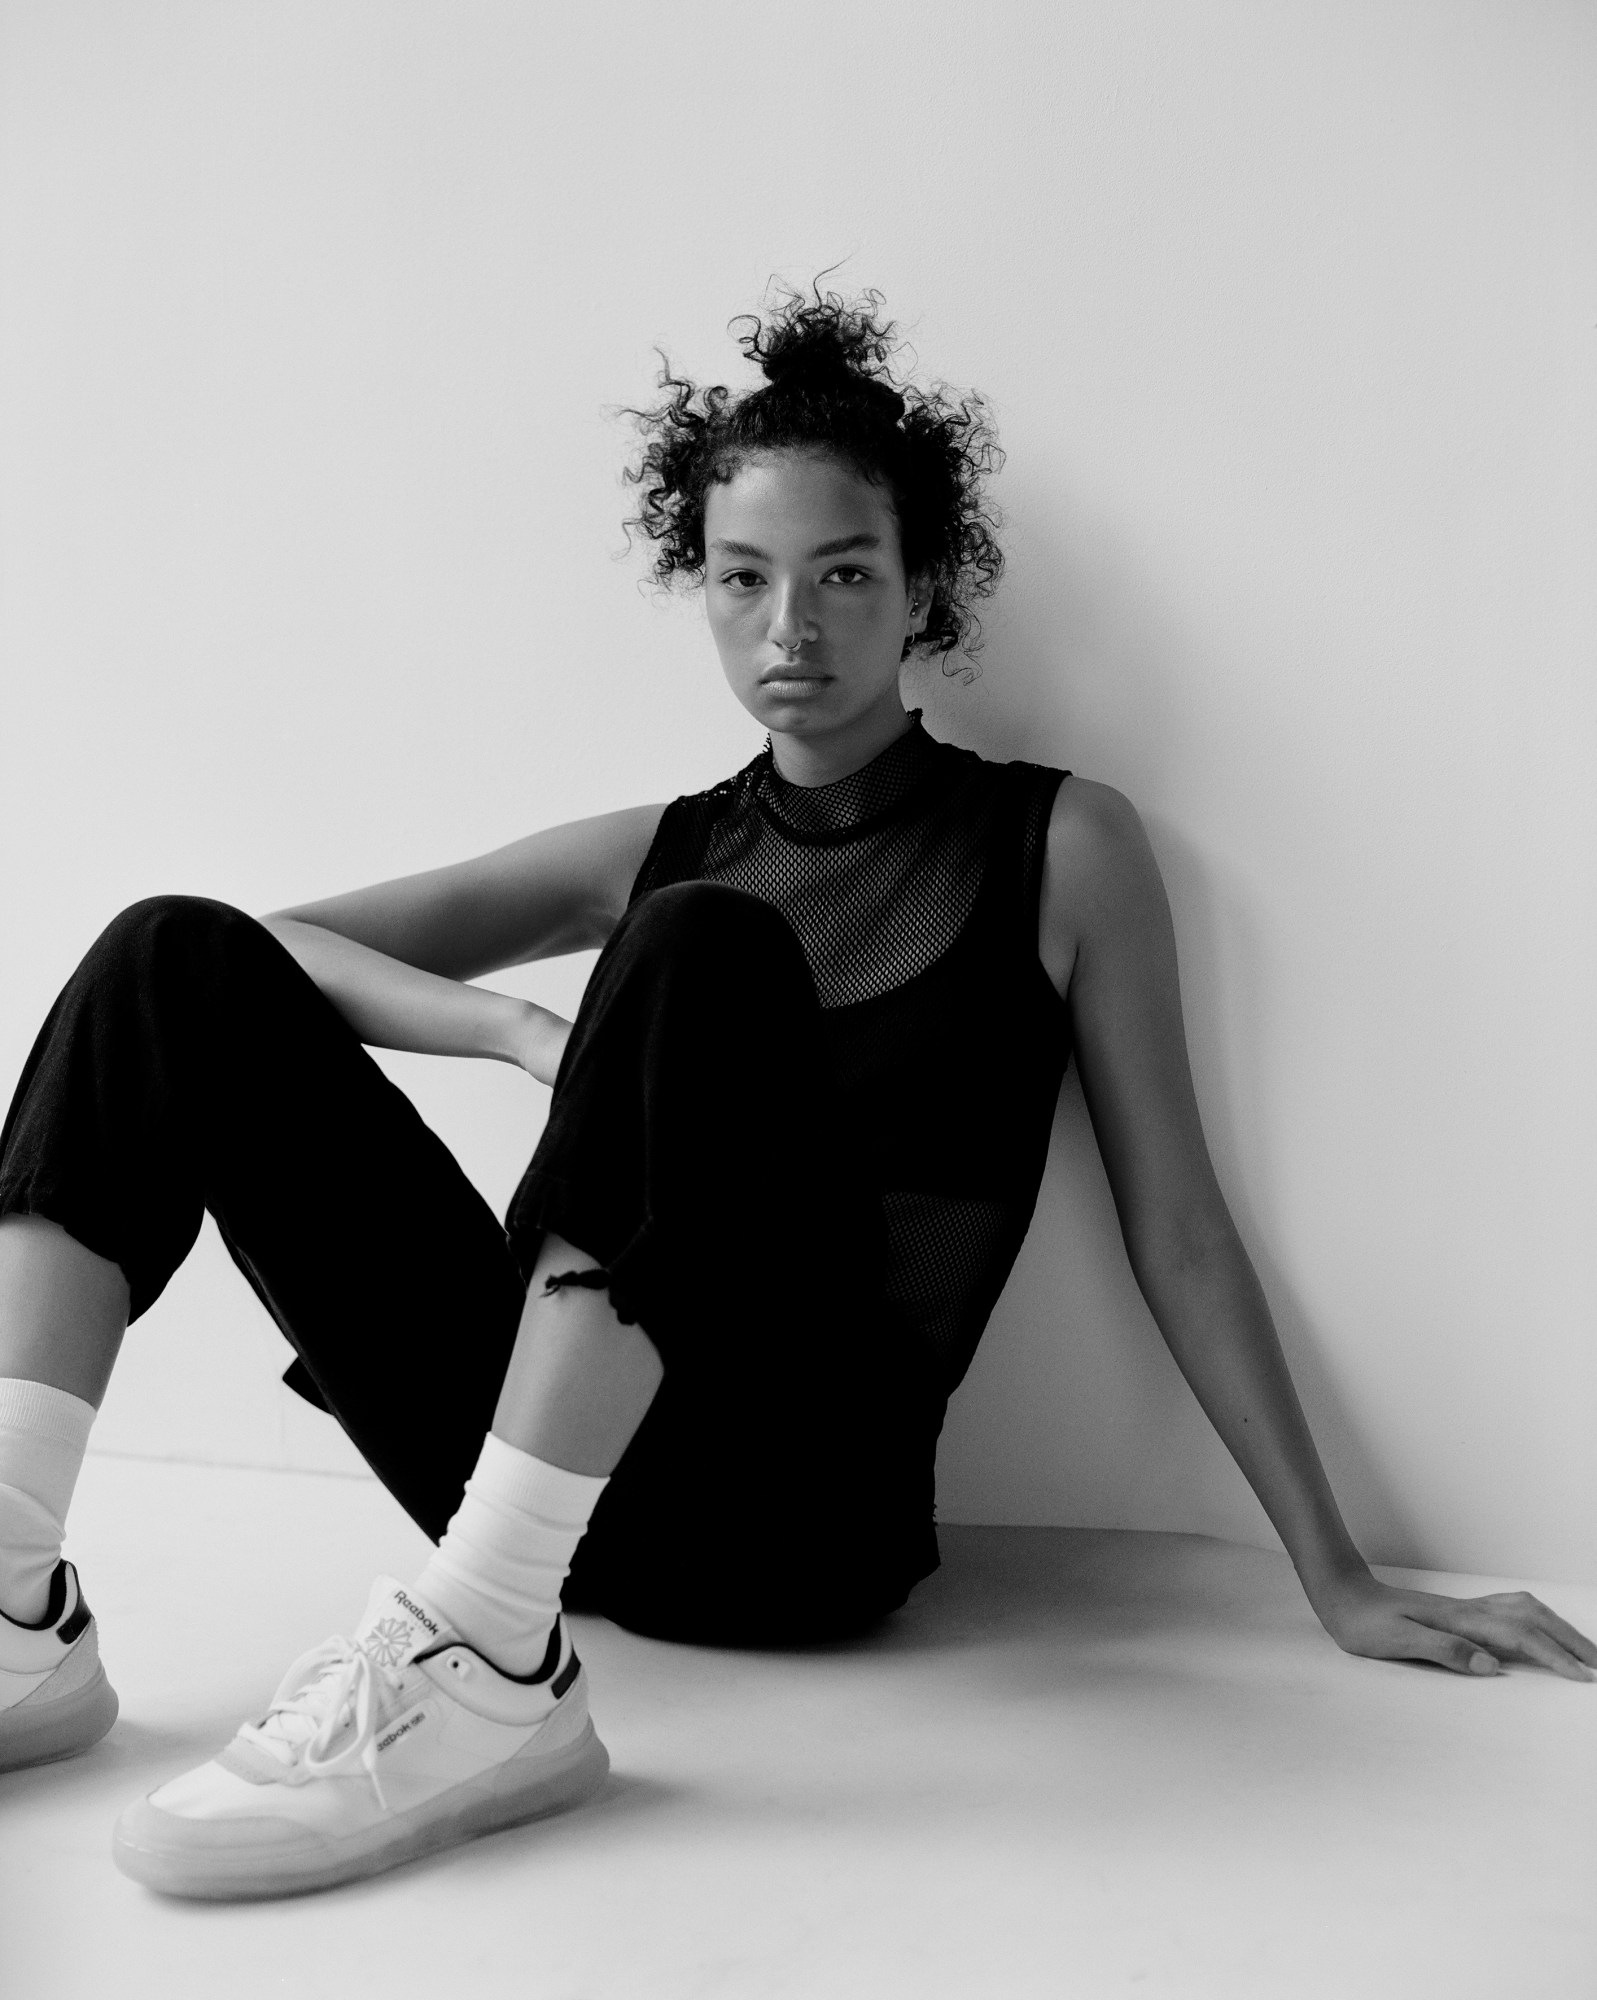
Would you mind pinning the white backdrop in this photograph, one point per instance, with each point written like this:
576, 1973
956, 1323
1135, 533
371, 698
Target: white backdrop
311, 321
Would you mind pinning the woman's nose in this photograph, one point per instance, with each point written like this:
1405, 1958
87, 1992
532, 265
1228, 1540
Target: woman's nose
792, 622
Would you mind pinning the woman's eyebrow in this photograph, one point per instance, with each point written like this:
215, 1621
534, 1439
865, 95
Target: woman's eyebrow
844, 543
836, 548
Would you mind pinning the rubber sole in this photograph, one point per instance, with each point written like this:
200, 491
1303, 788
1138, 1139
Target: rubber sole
55, 1729
144, 1846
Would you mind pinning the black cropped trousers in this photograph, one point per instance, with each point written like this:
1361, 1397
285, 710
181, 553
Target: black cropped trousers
781, 1486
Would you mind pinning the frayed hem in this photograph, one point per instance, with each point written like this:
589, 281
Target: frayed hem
543, 1206
595, 1279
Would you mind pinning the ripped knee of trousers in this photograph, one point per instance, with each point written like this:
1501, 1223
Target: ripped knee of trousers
595, 1279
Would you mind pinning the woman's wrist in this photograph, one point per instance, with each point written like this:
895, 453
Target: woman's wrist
531, 1037
1332, 1582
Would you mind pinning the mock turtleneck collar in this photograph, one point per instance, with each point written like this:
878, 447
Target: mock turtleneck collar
852, 805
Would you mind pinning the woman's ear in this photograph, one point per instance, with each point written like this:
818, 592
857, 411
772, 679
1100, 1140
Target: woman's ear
920, 606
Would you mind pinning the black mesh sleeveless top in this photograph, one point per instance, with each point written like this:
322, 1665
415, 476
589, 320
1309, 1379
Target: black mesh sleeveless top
913, 887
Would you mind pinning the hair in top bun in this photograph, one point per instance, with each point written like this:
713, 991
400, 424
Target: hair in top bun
829, 386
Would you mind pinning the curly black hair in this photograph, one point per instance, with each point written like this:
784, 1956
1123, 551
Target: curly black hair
829, 386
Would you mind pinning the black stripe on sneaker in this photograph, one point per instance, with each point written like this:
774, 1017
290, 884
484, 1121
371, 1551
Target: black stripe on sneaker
78, 1623
551, 1660
58, 1593
551, 1657
566, 1676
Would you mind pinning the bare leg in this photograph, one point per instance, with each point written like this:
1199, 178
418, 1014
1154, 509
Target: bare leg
62, 1313
63, 1310
578, 1385
579, 1382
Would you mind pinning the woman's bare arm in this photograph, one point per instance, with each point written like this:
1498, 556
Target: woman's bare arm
1108, 942
393, 958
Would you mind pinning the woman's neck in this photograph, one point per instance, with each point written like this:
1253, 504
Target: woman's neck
823, 760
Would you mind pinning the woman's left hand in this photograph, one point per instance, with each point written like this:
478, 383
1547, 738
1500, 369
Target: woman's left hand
1469, 1635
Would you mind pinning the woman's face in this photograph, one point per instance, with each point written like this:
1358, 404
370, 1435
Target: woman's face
807, 598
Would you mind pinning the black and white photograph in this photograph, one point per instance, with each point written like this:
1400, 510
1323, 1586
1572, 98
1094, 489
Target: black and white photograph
796, 955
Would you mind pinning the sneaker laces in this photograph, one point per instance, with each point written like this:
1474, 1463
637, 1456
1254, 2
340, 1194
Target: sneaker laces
333, 1685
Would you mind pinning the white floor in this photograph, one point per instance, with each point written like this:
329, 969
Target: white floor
1080, 1764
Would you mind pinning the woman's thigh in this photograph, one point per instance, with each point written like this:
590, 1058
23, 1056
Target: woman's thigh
702, 1150
191, 1064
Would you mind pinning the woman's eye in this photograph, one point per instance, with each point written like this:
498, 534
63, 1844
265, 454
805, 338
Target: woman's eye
741, 579
850, 573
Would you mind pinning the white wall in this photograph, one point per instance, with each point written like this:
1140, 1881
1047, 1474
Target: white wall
311, 318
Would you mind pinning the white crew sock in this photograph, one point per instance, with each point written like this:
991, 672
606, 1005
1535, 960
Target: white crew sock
496, 1575
43, 1435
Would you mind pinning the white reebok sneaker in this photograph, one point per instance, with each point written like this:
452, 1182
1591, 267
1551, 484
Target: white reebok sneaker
372, 1752
54, 1697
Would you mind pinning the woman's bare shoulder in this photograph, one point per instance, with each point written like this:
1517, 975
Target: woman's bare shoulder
1098, 875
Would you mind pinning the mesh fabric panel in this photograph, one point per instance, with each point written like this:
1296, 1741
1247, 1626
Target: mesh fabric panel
941, 1251
877, 873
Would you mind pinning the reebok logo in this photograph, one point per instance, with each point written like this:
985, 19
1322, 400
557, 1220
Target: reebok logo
408, 1604
387, 1644
412, 1721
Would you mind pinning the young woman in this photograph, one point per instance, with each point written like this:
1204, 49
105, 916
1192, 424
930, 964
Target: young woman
695, 1382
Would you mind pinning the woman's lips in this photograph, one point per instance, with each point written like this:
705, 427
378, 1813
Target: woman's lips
793, 679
